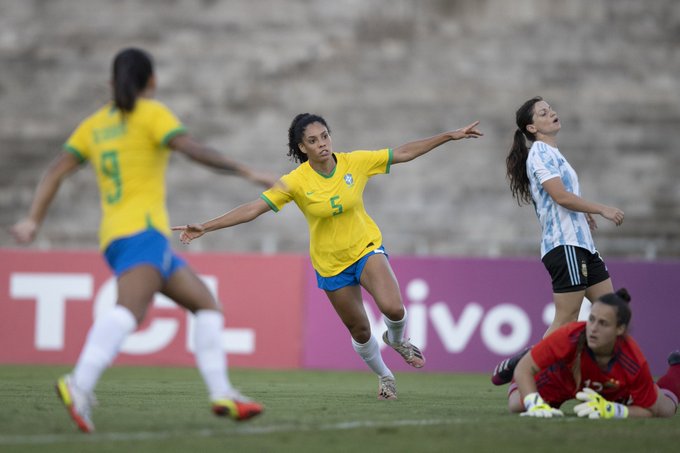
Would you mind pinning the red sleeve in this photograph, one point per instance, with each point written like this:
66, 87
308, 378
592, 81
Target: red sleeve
643, 389
558, 346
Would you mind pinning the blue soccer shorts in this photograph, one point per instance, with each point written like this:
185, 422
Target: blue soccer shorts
350, 276
146, 248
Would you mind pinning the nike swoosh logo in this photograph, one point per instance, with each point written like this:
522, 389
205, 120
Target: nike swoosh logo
310, 193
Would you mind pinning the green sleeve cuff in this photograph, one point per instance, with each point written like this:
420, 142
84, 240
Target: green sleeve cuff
269, 202
389, 160
75, 152
172, 134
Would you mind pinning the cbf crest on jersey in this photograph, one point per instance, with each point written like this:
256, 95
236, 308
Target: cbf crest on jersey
349, 180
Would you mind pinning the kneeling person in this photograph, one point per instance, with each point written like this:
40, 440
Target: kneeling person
598, 363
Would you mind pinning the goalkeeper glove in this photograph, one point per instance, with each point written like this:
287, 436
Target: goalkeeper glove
536, 407
595, 406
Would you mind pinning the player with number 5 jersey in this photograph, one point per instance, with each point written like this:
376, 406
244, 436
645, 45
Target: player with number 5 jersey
340, 230
345, 244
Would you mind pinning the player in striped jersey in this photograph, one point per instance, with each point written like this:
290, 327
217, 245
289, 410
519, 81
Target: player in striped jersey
543, 177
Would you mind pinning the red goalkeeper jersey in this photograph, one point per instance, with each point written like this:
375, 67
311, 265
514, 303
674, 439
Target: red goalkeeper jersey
626, 379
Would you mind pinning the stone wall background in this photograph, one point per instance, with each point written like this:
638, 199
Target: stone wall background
382, 72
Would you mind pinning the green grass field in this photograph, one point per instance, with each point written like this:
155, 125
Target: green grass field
166, 410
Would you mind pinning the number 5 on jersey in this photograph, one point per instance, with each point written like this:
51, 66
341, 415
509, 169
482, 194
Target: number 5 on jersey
337, 207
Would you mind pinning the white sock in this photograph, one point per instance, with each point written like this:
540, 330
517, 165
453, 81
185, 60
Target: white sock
102, 345
210, 356
370, 352
395, 329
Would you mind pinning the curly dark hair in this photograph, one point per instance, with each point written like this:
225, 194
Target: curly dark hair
296, 132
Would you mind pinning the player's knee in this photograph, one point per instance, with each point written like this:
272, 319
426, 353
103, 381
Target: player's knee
209, 304
138, 310
395, 313
360, 333
215, 308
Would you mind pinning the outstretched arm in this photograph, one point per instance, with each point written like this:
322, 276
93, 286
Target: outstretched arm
241, 214
529, 399
568, 200
524, 374
26, 229
198, 152
411, 150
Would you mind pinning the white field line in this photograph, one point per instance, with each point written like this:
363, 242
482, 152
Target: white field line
240, 431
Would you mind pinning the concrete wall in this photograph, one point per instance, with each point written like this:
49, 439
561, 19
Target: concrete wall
382, 72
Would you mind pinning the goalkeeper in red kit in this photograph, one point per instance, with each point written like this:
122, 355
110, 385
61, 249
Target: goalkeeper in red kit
598, 363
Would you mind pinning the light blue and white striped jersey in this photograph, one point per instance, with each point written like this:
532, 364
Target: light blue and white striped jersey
559, 226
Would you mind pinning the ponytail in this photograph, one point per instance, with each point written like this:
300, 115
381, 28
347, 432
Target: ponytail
131, 71
516, 162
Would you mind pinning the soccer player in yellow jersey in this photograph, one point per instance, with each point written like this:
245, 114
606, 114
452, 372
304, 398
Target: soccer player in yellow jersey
345, 244
128, 142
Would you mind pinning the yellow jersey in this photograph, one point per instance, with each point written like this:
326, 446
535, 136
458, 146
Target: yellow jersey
340, 230
129, 154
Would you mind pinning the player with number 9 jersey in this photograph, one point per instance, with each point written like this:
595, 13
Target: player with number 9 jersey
128, 142
130, 159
